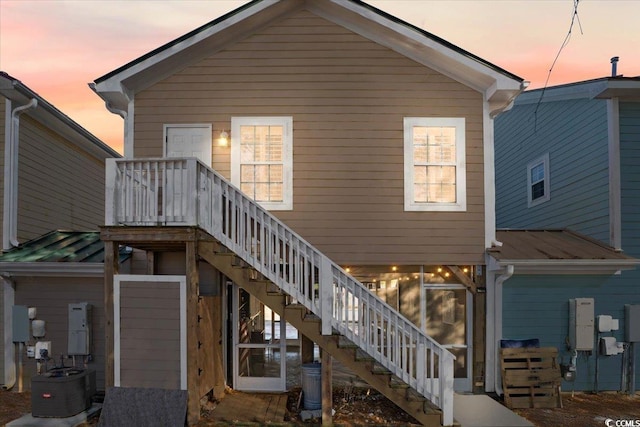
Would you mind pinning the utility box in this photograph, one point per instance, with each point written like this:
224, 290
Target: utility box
20, 323
581, 324
79, 342
632, 323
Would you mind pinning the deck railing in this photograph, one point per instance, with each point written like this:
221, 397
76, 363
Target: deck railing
151, 192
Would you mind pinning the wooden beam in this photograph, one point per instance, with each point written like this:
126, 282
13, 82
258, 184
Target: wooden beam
327, 388
479, 334
149, 234
151, 262
463, 278
111, 264
193, 400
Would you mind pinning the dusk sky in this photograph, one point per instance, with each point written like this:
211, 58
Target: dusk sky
56, 47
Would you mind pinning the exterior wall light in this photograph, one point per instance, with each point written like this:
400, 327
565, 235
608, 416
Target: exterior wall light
223, 141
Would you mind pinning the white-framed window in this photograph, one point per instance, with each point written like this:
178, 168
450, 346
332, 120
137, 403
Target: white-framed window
538, 181
434, 164
262, 159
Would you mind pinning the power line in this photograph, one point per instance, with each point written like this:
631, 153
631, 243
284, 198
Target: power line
565, 42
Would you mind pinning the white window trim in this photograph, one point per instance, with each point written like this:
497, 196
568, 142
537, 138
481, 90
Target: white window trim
461, 168
547, 194
287, 156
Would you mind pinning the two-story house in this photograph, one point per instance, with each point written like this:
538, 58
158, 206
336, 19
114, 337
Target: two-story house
567, 157
52, 177
334, 165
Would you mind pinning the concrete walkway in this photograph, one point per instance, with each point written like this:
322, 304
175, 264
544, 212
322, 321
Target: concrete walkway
479, 410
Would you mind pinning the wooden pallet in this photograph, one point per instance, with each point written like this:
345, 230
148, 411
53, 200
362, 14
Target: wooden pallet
531, 377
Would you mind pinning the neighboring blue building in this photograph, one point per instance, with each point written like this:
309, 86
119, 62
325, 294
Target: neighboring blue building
568, 157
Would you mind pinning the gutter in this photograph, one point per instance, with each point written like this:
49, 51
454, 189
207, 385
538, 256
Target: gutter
570, 266
10, 217
52, 269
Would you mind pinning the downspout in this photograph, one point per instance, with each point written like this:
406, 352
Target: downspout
500, 279
9, 350
496, 276
10, 221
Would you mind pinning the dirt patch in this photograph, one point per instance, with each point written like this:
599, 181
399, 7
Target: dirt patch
586, 410
364, 406
13, 405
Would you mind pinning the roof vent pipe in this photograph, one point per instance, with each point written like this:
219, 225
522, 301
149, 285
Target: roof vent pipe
614, 66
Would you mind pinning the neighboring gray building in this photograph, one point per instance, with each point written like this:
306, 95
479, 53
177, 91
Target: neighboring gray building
569, 157
51, 177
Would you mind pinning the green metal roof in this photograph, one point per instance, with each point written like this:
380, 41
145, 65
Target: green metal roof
62, 246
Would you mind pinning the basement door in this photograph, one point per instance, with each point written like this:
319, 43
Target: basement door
188, 140
448, 315
259, 360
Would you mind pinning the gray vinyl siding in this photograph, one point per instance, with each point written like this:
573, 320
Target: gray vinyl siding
150, 334
51, 296
574, 133
60, 187
630, 176
538, 307
348, 97
2, 144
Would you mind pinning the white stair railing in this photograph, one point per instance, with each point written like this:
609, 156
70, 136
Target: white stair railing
186, 192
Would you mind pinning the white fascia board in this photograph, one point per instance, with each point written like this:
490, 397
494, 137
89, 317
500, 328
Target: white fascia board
52, 269
580, 90
416, 46
563, 267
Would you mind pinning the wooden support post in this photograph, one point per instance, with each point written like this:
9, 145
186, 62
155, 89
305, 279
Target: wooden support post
111, 260
306, 349
327, 389
151, 263
193, 400
218, 348
479, 341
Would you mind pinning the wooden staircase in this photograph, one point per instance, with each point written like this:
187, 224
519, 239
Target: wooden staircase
340, 348
275, 264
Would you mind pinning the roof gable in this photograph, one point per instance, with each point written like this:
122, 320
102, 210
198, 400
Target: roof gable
498, 85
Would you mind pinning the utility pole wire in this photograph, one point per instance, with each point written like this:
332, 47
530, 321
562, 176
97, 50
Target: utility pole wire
574, 17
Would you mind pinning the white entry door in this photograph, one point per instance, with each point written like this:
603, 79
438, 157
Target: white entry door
259, 359
189, 140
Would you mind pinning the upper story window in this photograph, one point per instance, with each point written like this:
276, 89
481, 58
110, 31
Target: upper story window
434, 164
538, 181
262, 160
